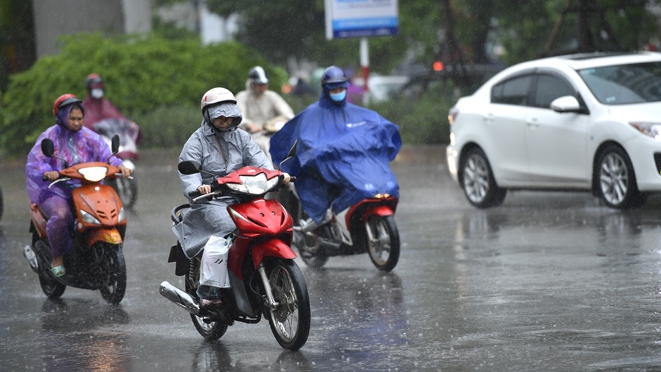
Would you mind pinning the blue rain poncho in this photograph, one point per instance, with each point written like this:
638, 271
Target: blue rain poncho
343, 155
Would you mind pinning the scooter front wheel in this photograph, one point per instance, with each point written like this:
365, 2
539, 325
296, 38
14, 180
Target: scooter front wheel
382, 241
290, 319
210, 330
113, 274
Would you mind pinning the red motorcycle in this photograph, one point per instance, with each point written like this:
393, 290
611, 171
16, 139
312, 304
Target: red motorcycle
96, 260
366, 227
263, 275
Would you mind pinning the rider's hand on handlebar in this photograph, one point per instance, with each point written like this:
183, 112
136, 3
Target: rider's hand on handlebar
126, 172
285, 178
51, 175
204, 189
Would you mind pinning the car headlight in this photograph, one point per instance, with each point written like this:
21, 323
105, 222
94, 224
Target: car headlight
649, 129
89, 218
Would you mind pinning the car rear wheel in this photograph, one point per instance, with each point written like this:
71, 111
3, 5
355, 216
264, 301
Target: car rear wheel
616, 180
477, 181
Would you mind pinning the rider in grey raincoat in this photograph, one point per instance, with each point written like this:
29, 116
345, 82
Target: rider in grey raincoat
219, 149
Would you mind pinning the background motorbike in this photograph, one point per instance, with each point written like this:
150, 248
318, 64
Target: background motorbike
366, 227
264, 277
96, 261
129, 134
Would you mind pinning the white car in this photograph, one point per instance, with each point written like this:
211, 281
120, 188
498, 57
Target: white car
575, 122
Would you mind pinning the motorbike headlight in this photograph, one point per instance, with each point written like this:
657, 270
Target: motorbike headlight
89, 218
256, 185
649, 129
93, 174
121, 216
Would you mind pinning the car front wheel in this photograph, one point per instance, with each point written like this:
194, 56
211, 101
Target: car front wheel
616, 179
477, 181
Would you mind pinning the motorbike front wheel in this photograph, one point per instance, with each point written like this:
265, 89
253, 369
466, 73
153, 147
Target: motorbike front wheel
382, 241
210, 330
290, 318
113, 274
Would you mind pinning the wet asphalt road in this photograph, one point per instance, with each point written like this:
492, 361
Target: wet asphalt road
547, 281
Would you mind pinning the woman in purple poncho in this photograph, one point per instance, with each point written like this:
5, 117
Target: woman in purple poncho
74, 144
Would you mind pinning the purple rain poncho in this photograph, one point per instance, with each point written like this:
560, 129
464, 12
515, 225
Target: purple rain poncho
76, 147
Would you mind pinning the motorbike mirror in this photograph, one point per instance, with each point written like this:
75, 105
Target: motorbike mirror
188, 167
291, 153
114, 144
292, 150
48, 147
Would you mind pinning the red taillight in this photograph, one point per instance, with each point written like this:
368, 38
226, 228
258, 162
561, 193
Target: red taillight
452, 115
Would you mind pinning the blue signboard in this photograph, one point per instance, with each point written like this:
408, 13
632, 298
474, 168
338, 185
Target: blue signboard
361, 18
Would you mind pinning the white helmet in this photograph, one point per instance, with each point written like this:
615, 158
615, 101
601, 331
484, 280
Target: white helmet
257, 75
216, 95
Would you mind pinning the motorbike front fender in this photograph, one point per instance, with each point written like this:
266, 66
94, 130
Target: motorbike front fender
108, 235
378, 210
271, 248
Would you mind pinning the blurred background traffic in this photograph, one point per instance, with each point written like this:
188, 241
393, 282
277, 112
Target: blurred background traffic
157, 56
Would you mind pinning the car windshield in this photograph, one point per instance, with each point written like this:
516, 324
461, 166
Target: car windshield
624, 84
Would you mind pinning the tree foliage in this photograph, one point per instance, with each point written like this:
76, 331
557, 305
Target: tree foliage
521, 28
141, 74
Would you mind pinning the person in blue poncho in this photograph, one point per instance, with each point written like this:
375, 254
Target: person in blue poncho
343, 150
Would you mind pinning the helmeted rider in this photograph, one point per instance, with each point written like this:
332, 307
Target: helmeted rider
99, 111
74, 144
262, 108
342, 153
219, 149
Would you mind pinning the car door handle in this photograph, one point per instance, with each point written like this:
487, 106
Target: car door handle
532, 123
488, 117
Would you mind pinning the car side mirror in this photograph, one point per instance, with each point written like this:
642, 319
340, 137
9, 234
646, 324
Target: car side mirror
566, 104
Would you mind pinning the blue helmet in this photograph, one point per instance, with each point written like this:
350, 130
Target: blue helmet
333, 75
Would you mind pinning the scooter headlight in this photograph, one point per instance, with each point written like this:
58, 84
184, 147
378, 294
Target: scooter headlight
89, 218
121, 216
94, 174
256, 185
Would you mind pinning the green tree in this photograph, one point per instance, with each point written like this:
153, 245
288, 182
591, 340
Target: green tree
142, 74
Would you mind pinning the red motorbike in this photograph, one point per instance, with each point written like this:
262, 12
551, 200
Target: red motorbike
264, 278
366, 227
96, 260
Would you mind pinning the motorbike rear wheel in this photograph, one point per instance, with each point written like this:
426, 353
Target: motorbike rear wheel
382, 241
127, 189
50, 286
290, 319
113, 273
308, 244
210, 330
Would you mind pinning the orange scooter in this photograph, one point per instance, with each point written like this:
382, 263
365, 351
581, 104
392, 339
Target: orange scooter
96, 260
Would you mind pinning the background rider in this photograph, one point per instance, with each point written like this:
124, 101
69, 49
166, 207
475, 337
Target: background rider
261, 108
